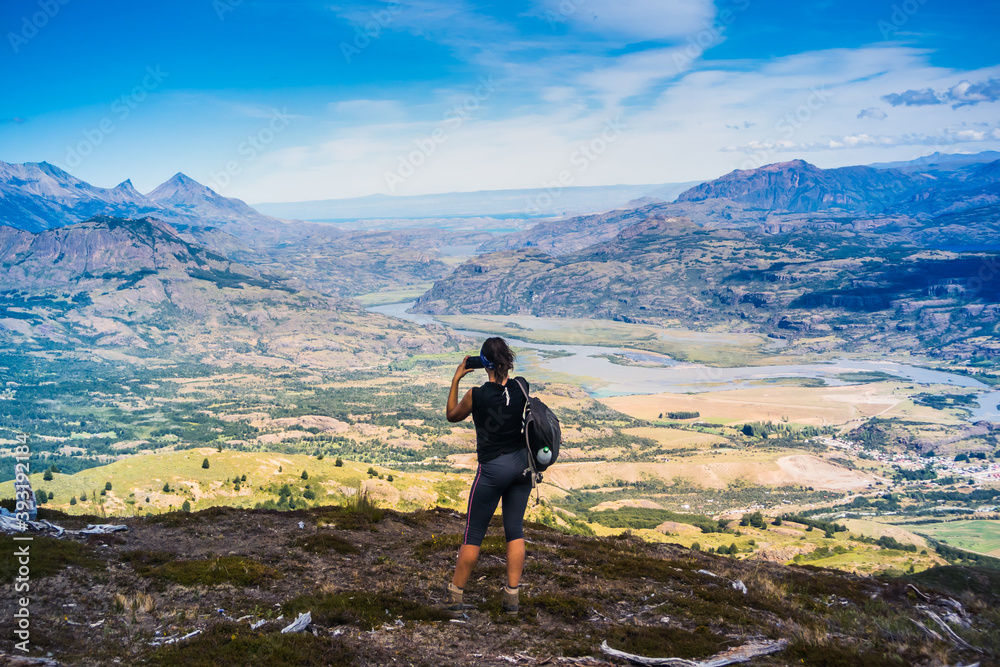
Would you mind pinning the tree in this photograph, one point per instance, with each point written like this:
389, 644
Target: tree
204, 464
339, 462
388, 478
696, 546
243, 478
305, 475
309, 495
733, 549
47, 476
281, 469
777, 521
186, 507
107, 486
166, 487
72, 501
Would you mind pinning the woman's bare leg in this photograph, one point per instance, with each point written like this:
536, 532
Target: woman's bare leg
515, 562
468, 555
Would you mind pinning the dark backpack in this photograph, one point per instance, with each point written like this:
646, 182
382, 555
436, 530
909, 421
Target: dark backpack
541, 433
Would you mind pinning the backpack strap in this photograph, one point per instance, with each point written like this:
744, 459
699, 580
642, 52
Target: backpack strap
536, 477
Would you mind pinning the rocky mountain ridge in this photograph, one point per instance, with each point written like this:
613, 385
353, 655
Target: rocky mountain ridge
36, 196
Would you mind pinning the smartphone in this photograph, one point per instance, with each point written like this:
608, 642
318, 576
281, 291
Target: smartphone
474, 362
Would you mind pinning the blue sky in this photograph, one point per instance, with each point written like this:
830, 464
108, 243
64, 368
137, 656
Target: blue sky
282, 101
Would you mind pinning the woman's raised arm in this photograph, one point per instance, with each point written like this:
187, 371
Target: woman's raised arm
459, 410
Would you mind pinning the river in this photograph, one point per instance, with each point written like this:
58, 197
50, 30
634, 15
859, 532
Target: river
602, 378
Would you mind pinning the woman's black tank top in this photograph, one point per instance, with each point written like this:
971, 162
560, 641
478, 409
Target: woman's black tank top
496, 412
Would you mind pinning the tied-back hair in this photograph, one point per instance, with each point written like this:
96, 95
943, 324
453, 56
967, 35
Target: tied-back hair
500, 355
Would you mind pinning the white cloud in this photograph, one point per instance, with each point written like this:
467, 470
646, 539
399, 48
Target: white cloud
873, 112
797, 104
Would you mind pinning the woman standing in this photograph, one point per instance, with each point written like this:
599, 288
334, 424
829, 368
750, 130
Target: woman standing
503, 473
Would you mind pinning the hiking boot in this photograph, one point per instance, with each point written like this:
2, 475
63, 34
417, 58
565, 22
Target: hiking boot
453, 605
510, 605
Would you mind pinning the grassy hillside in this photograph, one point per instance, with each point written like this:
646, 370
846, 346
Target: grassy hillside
372, 580
137, 483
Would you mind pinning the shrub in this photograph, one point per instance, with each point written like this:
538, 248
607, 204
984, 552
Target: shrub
339, 463
107, 486
204, 464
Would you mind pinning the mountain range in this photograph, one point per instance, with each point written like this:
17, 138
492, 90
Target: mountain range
886, 253
36, 196
872, 259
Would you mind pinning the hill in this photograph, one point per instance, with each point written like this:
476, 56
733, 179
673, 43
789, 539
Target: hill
217, 587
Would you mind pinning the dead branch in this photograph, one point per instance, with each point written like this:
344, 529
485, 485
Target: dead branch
728, 657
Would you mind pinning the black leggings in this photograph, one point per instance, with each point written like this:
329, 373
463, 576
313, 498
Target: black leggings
503, 477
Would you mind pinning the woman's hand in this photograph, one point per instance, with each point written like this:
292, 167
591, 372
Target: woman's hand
462, 371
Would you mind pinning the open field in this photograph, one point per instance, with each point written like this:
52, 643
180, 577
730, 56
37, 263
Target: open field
814, 406
979, 536
392, 295
716, 472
